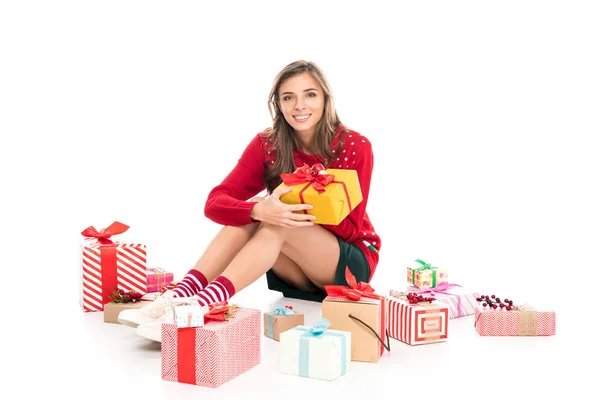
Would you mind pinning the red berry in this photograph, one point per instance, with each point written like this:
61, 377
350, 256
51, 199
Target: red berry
502, 305
486, 296
493, 296
506, 300
508, 308
494, 306
485, 304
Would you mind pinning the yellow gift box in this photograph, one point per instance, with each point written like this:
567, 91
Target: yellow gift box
333, 193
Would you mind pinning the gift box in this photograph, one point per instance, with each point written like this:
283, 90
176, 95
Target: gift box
107, 264
333, 193
417, 323
186, 312
460, 302
425, 275
280, 320
157, 279
315, 352
358, 310
215, 353
509, 320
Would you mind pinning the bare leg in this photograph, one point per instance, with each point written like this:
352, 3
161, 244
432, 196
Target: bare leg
314, 249
223, 248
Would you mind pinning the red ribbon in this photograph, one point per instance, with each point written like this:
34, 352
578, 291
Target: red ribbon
186, 355
315, 176
355, 292
108, 256
217, 311
104, 235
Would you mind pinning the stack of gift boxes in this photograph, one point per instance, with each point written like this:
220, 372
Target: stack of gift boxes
209, 346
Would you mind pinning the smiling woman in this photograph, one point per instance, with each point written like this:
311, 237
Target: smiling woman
264, 235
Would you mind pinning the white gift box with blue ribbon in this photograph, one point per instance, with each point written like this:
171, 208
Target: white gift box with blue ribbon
186, 312
315, 352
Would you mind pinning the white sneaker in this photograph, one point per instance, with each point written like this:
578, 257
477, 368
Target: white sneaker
149, 313
151, 330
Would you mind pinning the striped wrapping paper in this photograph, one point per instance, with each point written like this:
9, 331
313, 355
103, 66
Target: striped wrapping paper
500, 322
417, 323
106, 267
467, 300
213, 354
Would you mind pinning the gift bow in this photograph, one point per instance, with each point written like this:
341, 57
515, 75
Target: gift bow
220, 311
441, 288
355, 291
319, 327
425, 266
317, 176
104, 234
283, 311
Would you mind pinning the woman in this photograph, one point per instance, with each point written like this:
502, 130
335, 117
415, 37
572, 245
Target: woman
264, 235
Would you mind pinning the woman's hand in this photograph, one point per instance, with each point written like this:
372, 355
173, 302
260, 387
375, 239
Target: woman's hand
272, 211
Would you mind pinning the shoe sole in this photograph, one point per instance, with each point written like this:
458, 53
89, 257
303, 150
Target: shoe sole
149, 333
133, 319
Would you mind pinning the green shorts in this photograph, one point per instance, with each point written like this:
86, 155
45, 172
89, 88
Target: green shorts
350, 255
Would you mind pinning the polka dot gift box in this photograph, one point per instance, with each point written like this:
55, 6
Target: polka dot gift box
424, 275
332, 192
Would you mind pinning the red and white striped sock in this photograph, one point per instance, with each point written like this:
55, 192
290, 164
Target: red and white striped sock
193, 282
221, 289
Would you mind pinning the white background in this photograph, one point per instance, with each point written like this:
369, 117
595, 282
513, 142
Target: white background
482, 117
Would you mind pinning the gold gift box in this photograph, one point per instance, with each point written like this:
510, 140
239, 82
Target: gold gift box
332, 205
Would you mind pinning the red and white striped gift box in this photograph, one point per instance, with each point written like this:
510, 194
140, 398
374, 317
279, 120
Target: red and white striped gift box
420, 323
213, 354
499, 322
110, 266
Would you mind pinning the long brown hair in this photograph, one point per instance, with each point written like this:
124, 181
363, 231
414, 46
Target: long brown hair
281, 136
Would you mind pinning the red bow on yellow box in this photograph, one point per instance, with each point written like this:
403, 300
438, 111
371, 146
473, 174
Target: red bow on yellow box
355, 291
316, 176
220, 311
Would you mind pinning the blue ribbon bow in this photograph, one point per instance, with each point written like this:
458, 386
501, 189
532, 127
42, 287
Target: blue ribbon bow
270, 320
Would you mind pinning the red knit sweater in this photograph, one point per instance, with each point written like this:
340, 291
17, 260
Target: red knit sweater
227, 203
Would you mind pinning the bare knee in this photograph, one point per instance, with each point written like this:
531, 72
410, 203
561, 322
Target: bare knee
246, 230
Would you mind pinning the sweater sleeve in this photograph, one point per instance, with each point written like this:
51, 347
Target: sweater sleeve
227, 203
350, 227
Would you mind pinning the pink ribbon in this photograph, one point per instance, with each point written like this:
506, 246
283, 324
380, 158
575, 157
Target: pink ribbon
441, 288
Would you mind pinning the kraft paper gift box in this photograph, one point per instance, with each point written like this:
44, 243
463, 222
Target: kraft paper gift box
420, 323
315, 352
522, 320
461, 302
157, 279
280, 320
333, 193
215, 353
107, 264
425, 275
358, 310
